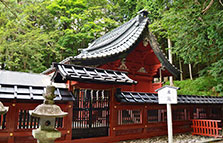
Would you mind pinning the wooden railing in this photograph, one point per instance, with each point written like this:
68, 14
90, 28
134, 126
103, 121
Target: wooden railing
206, 127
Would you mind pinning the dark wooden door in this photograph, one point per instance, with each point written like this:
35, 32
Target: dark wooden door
90, 113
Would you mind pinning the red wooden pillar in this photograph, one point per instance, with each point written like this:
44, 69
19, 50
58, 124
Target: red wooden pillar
113, 113
68, 123
191, 109
144, 119
11, 120
208, 111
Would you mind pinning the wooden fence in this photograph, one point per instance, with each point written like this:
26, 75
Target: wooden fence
126, 121
138, 121
206, 127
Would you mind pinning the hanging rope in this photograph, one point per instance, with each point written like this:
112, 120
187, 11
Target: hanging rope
85, 95
102, 95
97, 95
92, 95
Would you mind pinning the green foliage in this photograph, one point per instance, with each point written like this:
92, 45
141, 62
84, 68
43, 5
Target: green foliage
22, 40
80, 22
216, 71
200, 86
36, 33
196, 30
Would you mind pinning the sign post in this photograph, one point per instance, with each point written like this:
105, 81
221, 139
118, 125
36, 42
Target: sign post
168, 95
169, 123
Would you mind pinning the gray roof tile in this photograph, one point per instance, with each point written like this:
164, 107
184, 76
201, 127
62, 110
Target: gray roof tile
20, 85
30, 92
139, 97
29, 79
89, 74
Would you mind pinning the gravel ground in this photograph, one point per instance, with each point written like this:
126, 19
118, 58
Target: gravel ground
179, 138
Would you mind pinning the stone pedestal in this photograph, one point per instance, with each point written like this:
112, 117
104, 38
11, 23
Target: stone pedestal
44, 136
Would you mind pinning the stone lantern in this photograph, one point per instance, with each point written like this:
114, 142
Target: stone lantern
3, 109
47, 112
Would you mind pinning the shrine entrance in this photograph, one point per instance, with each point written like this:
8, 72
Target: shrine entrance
90, 113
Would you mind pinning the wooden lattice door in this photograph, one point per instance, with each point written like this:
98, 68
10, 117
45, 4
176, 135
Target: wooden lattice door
90, 113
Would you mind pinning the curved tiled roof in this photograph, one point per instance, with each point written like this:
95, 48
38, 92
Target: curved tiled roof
119, 43
161, 56
113, 45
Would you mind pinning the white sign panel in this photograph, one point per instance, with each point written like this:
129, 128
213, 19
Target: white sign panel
167, 96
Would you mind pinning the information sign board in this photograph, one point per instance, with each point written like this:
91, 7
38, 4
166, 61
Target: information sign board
167, 96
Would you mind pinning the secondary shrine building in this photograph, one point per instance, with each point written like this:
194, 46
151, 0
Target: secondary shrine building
109, 93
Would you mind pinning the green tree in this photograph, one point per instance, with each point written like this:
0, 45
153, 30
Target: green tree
196, 28
36, 33
80, 22
25, 36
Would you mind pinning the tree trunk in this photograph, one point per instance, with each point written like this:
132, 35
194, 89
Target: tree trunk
190, 71
181, 73
170, 59
160, 71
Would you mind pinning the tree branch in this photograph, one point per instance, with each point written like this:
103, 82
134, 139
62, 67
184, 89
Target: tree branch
209, 5
221, 2
197, 2
204, 4
3, 2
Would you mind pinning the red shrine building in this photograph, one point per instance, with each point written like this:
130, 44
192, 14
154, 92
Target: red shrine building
109, 94
129, 48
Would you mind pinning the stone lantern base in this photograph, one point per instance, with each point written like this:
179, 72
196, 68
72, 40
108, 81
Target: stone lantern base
46, 136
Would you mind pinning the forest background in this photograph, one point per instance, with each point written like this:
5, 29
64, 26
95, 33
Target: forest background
35, 33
